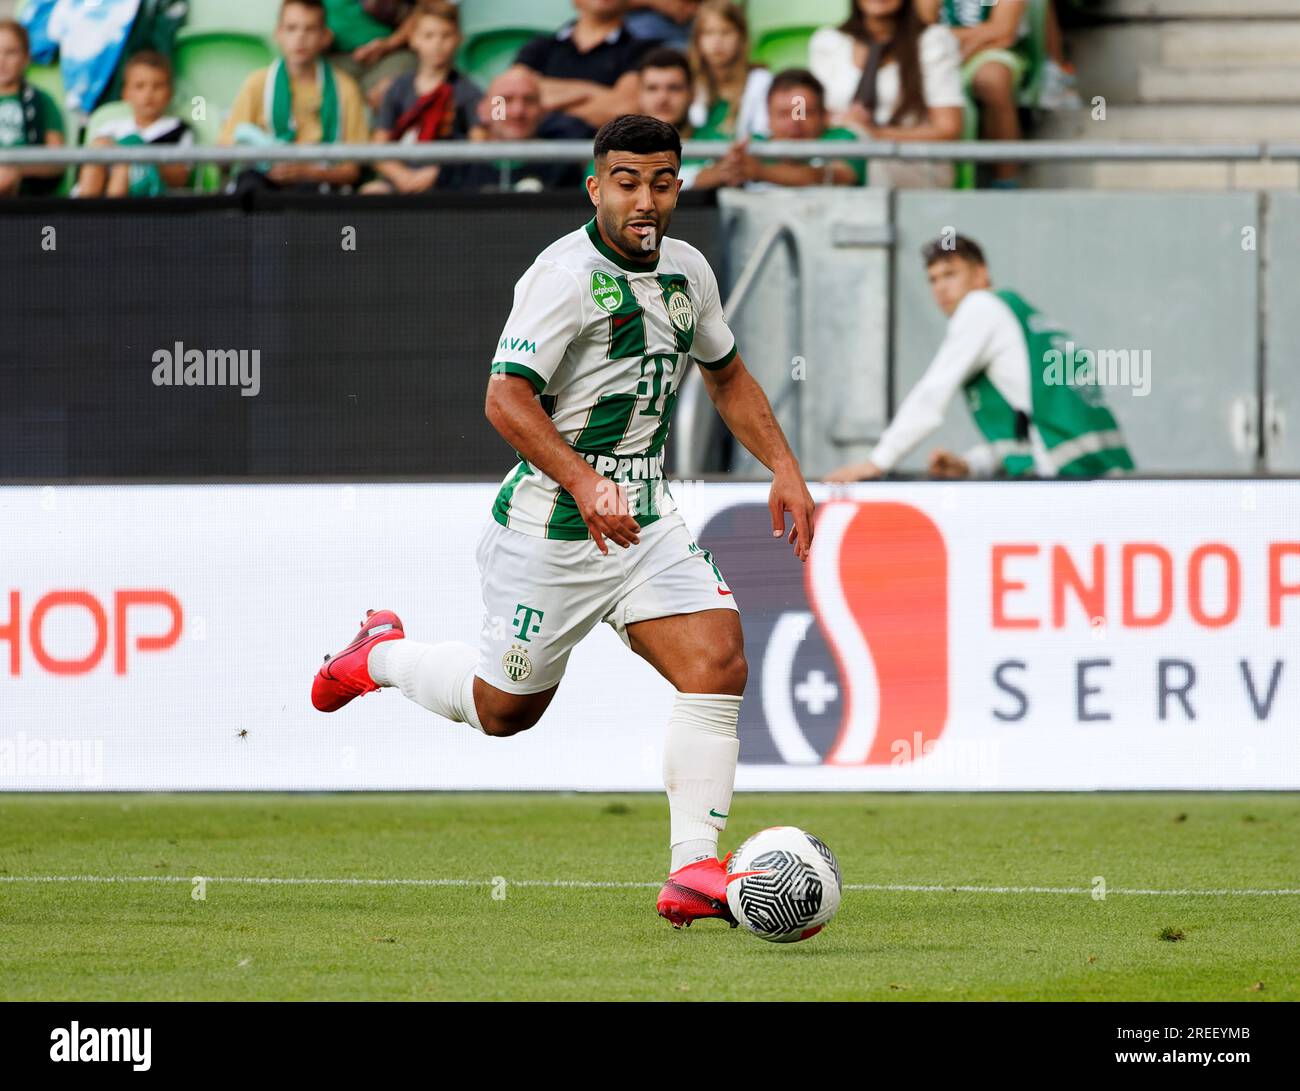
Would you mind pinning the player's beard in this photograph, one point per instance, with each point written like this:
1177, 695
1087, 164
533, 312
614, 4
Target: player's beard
637, 246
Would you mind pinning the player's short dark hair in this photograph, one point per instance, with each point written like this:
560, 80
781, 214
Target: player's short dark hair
952, 246
664, 57
313, 5
790, 78
638, 134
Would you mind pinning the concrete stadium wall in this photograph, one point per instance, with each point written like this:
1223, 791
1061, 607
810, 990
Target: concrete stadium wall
1165, 273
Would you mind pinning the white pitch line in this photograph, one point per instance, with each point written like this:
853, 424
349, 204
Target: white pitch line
592, 884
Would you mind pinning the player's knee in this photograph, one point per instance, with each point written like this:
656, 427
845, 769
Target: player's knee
502, 725
724, 671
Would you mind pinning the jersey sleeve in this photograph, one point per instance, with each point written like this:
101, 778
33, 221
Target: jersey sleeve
714, 346
546, 318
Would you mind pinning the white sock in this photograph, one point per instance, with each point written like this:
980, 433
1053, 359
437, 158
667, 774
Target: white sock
700, 754
438, 676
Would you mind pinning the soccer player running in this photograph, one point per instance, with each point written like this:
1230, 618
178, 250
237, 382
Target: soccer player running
1007, 357
585, 377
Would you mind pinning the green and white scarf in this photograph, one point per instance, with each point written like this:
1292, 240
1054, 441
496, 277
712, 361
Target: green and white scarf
277, 102
145, 178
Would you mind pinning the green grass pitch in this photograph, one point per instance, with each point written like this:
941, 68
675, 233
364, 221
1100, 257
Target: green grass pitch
79, 940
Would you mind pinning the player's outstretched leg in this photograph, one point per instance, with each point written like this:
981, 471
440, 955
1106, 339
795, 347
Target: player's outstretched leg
438, 676
700, 755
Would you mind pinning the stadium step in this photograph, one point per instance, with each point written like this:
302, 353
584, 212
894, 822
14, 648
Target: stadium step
1172, 124
1263, 83
1197, 9
1183, 71
1249, 42
1176, 123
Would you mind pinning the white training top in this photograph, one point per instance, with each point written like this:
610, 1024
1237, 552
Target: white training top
983, 335
830, 57
606, 342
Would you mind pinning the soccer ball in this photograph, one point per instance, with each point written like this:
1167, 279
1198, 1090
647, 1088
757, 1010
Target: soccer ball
783, 884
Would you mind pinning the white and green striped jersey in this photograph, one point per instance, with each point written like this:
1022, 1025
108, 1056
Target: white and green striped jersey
606, 343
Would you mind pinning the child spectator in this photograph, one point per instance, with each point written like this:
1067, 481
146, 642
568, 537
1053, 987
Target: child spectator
433, 103
300, 99
730, 93
147, 89
28, 117
894, 78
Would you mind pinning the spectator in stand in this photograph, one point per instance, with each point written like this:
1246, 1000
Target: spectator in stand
665, 95
796, 107
665, 21
147, 89
510, 110
28, 117
730, 92
586, 69
371, 43
993, 67
892, 77
300, 99
435, 102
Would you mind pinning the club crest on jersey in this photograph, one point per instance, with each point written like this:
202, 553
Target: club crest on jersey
681, 310
605, 291
516, 664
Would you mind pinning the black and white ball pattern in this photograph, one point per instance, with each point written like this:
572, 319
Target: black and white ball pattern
784, 898
785, 884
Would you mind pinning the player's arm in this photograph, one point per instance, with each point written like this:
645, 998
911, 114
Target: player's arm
923, 409
513, 410
744, 408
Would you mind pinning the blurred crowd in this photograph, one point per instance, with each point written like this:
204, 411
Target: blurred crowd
357, 71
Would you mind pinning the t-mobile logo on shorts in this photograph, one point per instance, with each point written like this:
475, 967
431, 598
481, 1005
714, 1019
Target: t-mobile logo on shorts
524, 623
867, 684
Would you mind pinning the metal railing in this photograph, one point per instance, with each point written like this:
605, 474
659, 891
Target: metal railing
465, 151
692, 414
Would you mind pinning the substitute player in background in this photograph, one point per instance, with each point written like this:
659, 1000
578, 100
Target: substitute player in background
1004, 355
586, 374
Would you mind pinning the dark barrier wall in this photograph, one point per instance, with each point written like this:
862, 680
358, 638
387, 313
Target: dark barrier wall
374, 322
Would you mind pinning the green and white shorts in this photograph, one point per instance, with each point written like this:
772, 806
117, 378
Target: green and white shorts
541, 596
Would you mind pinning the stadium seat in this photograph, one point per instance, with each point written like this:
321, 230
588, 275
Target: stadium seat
779, 30
110, 111
253, 18
49, 79
213, 67
495, 30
